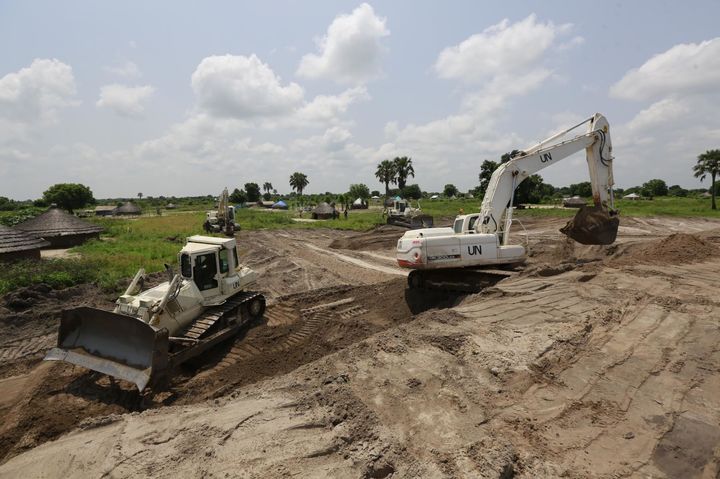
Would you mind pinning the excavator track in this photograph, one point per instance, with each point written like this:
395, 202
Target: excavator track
212, 316
461, 280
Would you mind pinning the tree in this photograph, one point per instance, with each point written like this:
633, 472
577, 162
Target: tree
374, 193
139, 195
385, 173
253, 192
532, 190
708, 163
674, 190
69, 196
238, 196
411, 192
267, 187
583, 189
403, 169
450, 190
486, 171
359, 191
654, 188
298, 182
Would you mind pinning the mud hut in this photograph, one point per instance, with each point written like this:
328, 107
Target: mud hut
105, 210
323, 211
128, 209
60, 228
17, 244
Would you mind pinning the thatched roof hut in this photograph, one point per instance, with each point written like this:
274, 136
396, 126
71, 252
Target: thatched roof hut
104, 210
128, 209
323, 211
60, 228
16, 244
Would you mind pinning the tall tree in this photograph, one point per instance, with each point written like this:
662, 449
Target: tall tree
298, 182
708, 163
486, 171
450, 190
385, 173
267, 187
69, 196
403, 169
139, 195
359, 191
253, 192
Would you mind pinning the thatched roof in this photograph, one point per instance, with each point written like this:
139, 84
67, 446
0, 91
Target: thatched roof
323, 209
128, 208
12, 240
57, 222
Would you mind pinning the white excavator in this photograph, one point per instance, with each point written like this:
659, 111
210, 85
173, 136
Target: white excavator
150, 332
221, 220
454, 256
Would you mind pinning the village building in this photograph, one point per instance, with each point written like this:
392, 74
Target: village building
16, 245
60, 228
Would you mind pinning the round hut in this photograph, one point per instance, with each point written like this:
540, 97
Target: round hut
60, 228
323, 211
128, 209
17, 244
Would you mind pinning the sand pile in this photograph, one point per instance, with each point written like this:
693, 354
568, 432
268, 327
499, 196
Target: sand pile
677, 248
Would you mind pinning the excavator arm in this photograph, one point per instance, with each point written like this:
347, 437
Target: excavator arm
596, 225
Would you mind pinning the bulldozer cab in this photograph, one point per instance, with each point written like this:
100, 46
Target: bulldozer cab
207, 261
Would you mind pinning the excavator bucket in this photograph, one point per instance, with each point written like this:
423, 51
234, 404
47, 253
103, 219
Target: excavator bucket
592, 225
111, 343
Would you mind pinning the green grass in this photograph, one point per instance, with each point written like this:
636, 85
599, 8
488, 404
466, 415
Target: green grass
150, 241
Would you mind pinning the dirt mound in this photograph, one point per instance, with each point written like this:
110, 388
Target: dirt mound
677, 248
299, 328
381, 237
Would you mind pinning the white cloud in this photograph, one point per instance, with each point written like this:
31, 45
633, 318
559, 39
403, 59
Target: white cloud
126, 70
329, 107
230, 86
351, 51
37, 92
501, 49
125, 100
686, 68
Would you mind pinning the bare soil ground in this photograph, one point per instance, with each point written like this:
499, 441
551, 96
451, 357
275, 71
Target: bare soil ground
589, 362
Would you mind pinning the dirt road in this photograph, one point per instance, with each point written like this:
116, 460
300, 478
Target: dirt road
591, 362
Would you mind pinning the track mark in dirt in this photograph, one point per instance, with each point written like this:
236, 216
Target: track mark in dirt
20, 349
361, 263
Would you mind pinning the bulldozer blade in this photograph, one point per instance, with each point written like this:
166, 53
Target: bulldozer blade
592, 225
120, 346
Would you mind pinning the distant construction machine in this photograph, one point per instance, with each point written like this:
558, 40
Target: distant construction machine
401, 213
152, 331
221, 220
454, 255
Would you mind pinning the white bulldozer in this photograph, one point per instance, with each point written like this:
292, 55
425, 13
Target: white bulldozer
401, 213
152, 331
455, 254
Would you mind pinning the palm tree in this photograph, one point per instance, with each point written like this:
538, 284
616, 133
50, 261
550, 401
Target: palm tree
385, 173
298, 182
139, 195
267, 187
708, 163
403, 169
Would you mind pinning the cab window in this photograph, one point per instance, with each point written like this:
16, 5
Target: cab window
457, 226
224, 267
471, 225
185, 266
205, 271
235, 256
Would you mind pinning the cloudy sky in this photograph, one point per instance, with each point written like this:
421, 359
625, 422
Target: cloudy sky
179, 98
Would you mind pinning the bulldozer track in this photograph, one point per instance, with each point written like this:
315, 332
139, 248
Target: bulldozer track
312, 320
27, 347
208, 319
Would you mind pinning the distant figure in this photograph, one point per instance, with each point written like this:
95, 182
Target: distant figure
345, 213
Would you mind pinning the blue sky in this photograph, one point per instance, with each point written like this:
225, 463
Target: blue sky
180, 98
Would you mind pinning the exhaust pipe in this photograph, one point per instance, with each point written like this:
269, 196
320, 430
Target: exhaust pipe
120, 346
